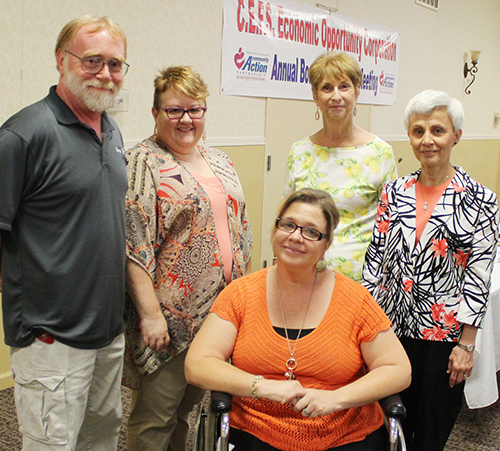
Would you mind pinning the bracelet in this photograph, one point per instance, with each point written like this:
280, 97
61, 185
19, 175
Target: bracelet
255, 381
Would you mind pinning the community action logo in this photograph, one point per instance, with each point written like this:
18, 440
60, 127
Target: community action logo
254, 66
387, 81
383, 83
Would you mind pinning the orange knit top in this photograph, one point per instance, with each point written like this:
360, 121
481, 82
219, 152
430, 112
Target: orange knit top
327, 358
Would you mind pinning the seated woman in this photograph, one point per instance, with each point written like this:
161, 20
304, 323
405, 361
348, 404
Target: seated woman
311, 350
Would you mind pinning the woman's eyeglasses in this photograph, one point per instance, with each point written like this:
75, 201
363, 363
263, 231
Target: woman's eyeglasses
307, 232
178, 113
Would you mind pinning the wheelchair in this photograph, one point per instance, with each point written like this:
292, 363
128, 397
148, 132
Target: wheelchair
212, 428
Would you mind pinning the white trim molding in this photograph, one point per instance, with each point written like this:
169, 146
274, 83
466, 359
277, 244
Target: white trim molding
6, 380
217, 142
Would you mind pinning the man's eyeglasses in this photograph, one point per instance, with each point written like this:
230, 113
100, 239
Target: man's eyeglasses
178, 113
307, 232
95, 64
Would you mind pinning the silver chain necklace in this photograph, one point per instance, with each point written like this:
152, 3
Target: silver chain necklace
426, 202
291, 363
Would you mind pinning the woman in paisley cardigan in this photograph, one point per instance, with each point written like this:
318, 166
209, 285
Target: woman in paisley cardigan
429, 266
187, 237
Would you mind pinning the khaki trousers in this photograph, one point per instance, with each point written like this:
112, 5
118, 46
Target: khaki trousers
66, 398
160, 409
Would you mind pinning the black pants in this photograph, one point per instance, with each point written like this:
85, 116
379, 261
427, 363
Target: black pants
432, 406
243, 441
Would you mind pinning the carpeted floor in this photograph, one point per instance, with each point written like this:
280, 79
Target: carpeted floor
474, 431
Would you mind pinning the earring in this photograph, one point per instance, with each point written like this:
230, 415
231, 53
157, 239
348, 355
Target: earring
355, 111
320, 266
204, 136
154, 131
316, 116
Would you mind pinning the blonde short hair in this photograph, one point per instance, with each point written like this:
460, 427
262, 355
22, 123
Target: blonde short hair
181, 79
335, 66
96, 24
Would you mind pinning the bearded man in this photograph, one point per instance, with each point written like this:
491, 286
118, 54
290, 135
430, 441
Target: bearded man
62, 246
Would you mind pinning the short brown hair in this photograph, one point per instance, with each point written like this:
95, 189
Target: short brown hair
318, 198
97, 24
182, 79
335, 66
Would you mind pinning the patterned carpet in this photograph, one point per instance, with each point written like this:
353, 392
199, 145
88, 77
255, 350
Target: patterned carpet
474, 431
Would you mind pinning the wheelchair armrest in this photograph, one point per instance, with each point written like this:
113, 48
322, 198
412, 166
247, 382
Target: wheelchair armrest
220, 402
393, 407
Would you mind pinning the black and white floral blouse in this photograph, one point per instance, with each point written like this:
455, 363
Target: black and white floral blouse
430, 288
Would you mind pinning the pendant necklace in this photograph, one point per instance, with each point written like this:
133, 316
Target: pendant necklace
291, 363
426, 203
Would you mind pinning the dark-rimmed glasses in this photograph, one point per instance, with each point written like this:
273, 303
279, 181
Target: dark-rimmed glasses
307, 232
178, 113
95, 64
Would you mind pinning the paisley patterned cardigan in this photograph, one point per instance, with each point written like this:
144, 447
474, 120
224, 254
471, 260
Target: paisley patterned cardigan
430, 289
171, 234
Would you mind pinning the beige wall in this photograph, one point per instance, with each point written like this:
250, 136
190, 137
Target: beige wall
249, 164
5, 378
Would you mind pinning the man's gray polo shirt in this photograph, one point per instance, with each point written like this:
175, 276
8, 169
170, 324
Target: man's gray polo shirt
62, 219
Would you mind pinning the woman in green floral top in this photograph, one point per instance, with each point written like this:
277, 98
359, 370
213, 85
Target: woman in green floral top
342, 159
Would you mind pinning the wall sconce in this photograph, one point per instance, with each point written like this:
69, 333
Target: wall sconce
474, 56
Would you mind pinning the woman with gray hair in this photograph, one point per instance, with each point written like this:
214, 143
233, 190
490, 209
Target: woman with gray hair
429, 267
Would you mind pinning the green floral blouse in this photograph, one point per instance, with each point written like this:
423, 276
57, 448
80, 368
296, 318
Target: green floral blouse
354, 176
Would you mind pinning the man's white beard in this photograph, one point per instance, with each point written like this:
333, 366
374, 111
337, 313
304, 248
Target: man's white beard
93, 99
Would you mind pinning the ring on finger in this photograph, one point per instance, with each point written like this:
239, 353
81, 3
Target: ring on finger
305, 412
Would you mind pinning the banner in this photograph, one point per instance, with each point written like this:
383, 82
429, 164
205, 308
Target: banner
268, 46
